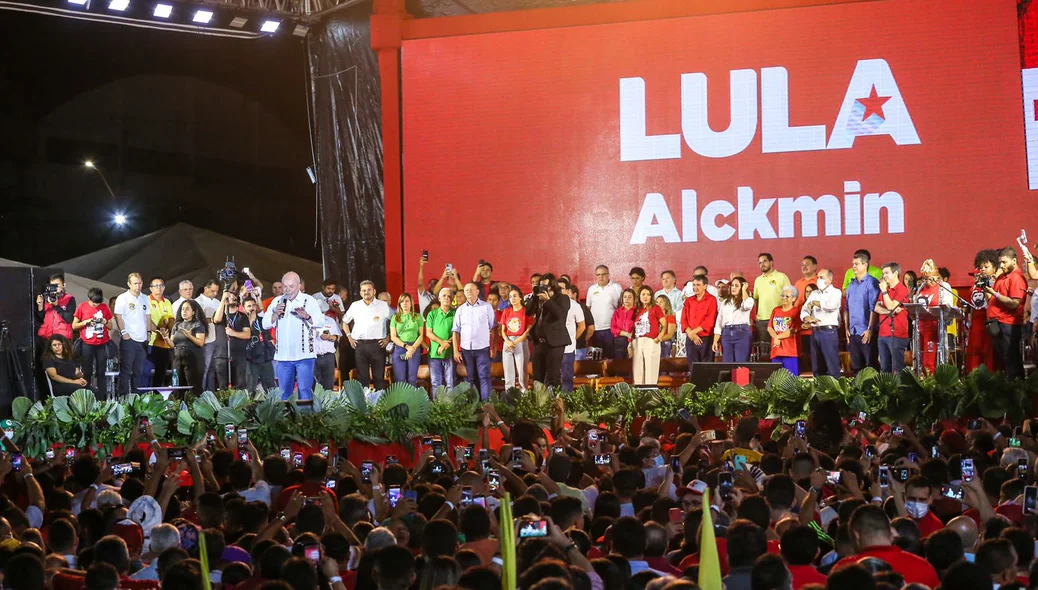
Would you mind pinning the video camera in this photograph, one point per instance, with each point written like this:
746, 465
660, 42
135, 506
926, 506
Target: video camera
229, 274
50, 293
983, 281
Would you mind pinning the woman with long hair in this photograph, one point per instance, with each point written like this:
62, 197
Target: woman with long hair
622, 324
732, 332
407, 330
649, 327
62, 370
515, 329
93, 320
189, 331
667, 339
783, 328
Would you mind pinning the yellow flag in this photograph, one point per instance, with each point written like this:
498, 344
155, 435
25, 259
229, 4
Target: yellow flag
709, 564
507, 543
204, 558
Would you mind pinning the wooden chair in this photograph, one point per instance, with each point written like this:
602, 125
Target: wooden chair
673, 373
616, 371
587, 373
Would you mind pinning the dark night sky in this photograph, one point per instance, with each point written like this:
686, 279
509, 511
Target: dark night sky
52, 209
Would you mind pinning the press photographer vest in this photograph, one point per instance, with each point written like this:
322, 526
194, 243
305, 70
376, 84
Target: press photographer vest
52, 322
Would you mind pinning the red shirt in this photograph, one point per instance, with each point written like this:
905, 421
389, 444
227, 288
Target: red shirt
1011, 285
700, 314
87, 334
783, 321
647, 322
928, 525
804, 575
515, 322
895, 325
914, 569
309, 488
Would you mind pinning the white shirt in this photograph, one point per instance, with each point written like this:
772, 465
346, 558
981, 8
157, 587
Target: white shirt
574, 316
829, 312
729, 315
425, 299
260, 491
325, 302
208, 305
603, 301
296, 339
135, 313
369, 321
177, 304
330, 326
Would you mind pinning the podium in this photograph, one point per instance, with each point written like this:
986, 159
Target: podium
944, 314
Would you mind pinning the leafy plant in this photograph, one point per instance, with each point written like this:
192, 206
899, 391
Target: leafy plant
454, 412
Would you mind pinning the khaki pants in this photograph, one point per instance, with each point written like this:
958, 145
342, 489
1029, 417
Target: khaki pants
646, 361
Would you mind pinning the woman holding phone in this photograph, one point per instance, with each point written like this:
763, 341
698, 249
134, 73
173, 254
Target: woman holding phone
732, 332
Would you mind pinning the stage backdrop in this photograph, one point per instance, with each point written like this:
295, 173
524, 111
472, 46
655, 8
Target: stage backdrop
893, 125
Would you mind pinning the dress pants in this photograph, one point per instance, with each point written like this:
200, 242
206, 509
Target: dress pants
699, 353
161, 361
187, 362
371, 364
1007, 349
825, 351
257, 374
324, 370
568, 358
547, 363
603, 339
477, 365
892, 354
235, 367
862, 353
131, 364
646, 361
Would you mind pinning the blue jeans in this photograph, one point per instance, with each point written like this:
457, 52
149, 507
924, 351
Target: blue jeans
825, 352
131, 364
441, 372
862, 353
568, 358
603, 339
790, 363
477, 365
293, 374
735, 344
580, 354
892, 354
405, 369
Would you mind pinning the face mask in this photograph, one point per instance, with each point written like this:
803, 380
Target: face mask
821, 283
659, 460
917, 509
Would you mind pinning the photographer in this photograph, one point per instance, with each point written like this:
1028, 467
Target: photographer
232, 335
550, 306
55, 308
979, 347
93, 320
1006, 313
259, 352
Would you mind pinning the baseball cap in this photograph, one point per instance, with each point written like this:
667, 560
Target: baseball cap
696, 486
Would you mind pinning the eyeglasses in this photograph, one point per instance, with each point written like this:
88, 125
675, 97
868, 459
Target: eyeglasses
156, 285
601, 274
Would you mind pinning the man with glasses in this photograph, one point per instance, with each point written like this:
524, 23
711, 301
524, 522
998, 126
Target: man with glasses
160, 345
186, 291
602, 299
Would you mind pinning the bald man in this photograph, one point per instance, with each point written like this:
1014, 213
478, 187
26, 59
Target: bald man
966, 528
296, 317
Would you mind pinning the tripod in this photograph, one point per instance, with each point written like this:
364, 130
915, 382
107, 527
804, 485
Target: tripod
14, 365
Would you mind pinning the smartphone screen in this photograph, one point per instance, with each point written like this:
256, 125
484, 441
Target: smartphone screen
466, 495
70, 454
801, 429
484, 454
394, 495
724, 481
517, 457
834, 477
675, 463
324, 450
533, 528
228, 431
365, 471
286, 454
392, 459
884, 476
437, 447
142, 424
967, 470
1021, 468
952, 491
493, 480
243, 437
870, 451
313, 553
49, 454
684, 414
16, 461
603, 459
899, 431
297, 459
1031, 500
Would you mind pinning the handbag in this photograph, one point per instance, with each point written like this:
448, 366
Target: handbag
993, 327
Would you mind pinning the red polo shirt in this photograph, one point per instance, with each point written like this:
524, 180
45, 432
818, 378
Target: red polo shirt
700, 314
804, 575
914, 569
1011, 285
898, 328
928, 524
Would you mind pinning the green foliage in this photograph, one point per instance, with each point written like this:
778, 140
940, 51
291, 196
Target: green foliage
404, 411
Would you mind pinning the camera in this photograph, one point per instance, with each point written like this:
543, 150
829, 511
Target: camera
229, 274
538, 289
50, 293
983, 281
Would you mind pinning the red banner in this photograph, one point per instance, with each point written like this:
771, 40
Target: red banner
895, 126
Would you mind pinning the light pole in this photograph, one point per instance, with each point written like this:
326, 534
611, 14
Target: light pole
91, 165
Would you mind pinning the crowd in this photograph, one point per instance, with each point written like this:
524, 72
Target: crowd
822, 503
230, 336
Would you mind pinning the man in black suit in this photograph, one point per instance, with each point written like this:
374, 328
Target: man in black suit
550, 337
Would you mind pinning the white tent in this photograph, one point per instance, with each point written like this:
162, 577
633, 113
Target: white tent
76, 285
184, 252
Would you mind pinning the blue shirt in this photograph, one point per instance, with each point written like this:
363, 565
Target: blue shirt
474, 321
861, 296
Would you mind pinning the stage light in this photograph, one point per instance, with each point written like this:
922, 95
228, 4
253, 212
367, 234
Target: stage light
119, 5
163, 10
78, 2
88, 164
203, 17
238, 22
300, 31
270, 26
119, 219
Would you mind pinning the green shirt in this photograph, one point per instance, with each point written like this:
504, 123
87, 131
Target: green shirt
767, 290
407, 327
849, 275
440, 325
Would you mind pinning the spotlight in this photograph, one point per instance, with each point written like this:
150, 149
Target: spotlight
238, 22
270, 26
300, 31
163, 10
78, 2
119, 5
88, 164
119, 219
203, 17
